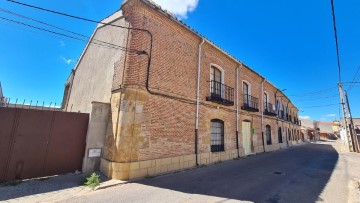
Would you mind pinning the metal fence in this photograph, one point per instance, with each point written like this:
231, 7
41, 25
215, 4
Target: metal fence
36, 143
28, 104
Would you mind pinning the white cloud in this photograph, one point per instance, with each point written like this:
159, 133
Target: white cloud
179, 8
304, 117
330, 115
67, 61
62, 44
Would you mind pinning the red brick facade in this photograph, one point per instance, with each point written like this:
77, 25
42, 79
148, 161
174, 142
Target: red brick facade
161, 124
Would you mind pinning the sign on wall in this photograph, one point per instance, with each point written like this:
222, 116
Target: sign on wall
96, 152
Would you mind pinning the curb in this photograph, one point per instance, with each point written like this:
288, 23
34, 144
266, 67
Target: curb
110, 183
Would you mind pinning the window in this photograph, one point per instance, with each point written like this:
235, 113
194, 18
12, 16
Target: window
246, 93
266, 101
280, 135
245, 88
278, 107
219, 92
215, 74
215, 77
217, 135
268, 135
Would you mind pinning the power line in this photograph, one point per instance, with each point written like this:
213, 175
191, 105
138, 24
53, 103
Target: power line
308, 107
351, 83
336, 39
65, 35
84, 19
149, 55
313, 93
57, 27
39, 32
354, 79
64, 14
311, 99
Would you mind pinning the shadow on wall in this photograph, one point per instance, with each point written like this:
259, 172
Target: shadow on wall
297, 174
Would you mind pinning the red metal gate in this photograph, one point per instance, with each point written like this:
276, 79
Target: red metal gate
36, 143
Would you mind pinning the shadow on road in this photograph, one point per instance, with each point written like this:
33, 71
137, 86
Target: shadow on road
41, 186
296, 174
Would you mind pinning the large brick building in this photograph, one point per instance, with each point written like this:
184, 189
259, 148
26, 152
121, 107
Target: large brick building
176, 100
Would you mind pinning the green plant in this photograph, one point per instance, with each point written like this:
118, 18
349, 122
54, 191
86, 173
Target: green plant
93, 181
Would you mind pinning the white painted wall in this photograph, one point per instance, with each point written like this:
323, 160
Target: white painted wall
95, 69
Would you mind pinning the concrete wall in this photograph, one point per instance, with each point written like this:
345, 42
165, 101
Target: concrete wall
94, 72
95, 137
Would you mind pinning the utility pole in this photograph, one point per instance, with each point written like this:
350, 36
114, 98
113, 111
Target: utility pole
347, 130
352, 129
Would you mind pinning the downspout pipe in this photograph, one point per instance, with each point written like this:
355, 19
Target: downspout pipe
237, 111
262, 113
198, 103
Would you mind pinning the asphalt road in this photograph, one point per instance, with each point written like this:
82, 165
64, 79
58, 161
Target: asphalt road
305, 173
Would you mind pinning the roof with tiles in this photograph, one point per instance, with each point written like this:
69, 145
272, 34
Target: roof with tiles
174, 18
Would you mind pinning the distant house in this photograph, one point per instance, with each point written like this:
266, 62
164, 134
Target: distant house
329, 130
357, 125
310, 130
315, 130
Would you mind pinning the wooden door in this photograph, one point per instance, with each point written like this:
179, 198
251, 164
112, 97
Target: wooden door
246, 134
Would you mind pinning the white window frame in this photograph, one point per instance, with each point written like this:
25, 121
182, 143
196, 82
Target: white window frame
222, 77
267, 96
242, 86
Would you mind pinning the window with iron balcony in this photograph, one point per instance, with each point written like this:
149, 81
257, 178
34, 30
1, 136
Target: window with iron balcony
219, 92
269, 109
282, 114
250, 103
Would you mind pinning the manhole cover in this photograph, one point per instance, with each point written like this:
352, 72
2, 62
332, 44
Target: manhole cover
278, 173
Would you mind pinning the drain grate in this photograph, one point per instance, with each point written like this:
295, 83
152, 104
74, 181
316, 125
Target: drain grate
278, 173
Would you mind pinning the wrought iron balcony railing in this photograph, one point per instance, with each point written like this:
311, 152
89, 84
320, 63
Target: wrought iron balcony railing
250, 103
281, 116
221, 93
269, 109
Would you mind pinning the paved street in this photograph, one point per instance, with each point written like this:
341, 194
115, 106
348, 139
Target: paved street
305, 173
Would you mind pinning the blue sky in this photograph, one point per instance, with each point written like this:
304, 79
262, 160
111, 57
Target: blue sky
291, 43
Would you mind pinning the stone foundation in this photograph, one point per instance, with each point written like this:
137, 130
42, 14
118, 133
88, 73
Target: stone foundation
141, 169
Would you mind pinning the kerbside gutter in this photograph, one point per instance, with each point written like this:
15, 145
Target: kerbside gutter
197, 102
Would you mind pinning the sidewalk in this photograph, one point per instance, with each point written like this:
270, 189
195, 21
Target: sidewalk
348, 172
51, 189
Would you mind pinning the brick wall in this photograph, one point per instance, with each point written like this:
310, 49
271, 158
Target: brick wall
163, 126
